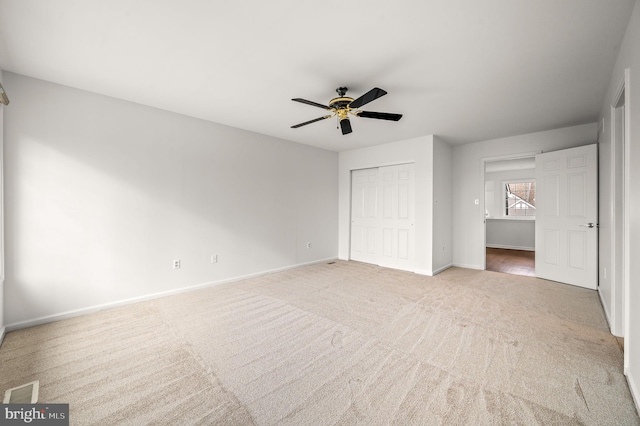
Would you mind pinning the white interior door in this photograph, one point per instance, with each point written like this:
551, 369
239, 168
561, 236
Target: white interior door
382, 216
567, 216
364, 215
396, 212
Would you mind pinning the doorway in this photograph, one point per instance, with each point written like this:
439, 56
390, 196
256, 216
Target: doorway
566, 219
510, 215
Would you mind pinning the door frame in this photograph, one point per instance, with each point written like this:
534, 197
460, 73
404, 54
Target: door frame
483, 208
621, 285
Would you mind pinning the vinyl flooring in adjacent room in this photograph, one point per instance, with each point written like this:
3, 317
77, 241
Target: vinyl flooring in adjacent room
516, 262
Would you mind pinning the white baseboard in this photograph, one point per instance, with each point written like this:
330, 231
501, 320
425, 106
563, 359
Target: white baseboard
635, 391
499, 246
96, 308
465, 266
444, 268
3, 331
432, 273
606, 311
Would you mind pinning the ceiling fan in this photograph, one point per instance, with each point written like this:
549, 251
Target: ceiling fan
343, 105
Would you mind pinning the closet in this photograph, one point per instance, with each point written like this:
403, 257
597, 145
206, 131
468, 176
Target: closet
382, 216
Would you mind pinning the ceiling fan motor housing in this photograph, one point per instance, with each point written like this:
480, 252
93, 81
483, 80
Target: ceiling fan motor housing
340, 103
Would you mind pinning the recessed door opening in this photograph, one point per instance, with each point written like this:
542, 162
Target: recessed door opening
566, 212
382, 216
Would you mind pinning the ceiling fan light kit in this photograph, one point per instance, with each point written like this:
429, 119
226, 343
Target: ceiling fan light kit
343, 105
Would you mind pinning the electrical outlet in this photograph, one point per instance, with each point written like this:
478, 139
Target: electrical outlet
214, 258
176, 264
308, 245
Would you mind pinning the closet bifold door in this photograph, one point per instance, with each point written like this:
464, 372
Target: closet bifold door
396, 212
382, 216
364, 216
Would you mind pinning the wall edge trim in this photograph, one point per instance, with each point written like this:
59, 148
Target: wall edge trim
466, 266
500, 246
444, 268
635, 392
96, 308
607, 315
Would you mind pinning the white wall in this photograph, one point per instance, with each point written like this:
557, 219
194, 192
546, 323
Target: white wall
102, 194
628, 57
468, 182
511, 234
442, 225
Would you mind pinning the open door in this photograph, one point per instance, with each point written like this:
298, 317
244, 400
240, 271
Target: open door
567, 216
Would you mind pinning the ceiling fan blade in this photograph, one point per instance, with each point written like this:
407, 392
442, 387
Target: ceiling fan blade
345, 125
304, 101
371, 95
311, 121
380, 115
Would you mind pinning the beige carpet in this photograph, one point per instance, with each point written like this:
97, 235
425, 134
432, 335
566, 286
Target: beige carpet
342, 343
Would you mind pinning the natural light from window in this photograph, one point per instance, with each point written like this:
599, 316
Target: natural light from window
520, 199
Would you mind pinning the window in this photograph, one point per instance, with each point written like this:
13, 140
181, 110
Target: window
520, 199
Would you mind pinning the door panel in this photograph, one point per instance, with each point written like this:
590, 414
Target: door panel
403, 244
577, 195
577, 252
371, 241
387, 242
551, 247
566, 205
552, 196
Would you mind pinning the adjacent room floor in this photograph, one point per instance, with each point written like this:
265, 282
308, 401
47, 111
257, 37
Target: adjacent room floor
343, 343
516, 262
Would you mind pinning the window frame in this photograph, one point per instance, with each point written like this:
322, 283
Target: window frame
504, 197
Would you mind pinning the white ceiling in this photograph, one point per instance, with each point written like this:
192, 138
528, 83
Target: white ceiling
465, 70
